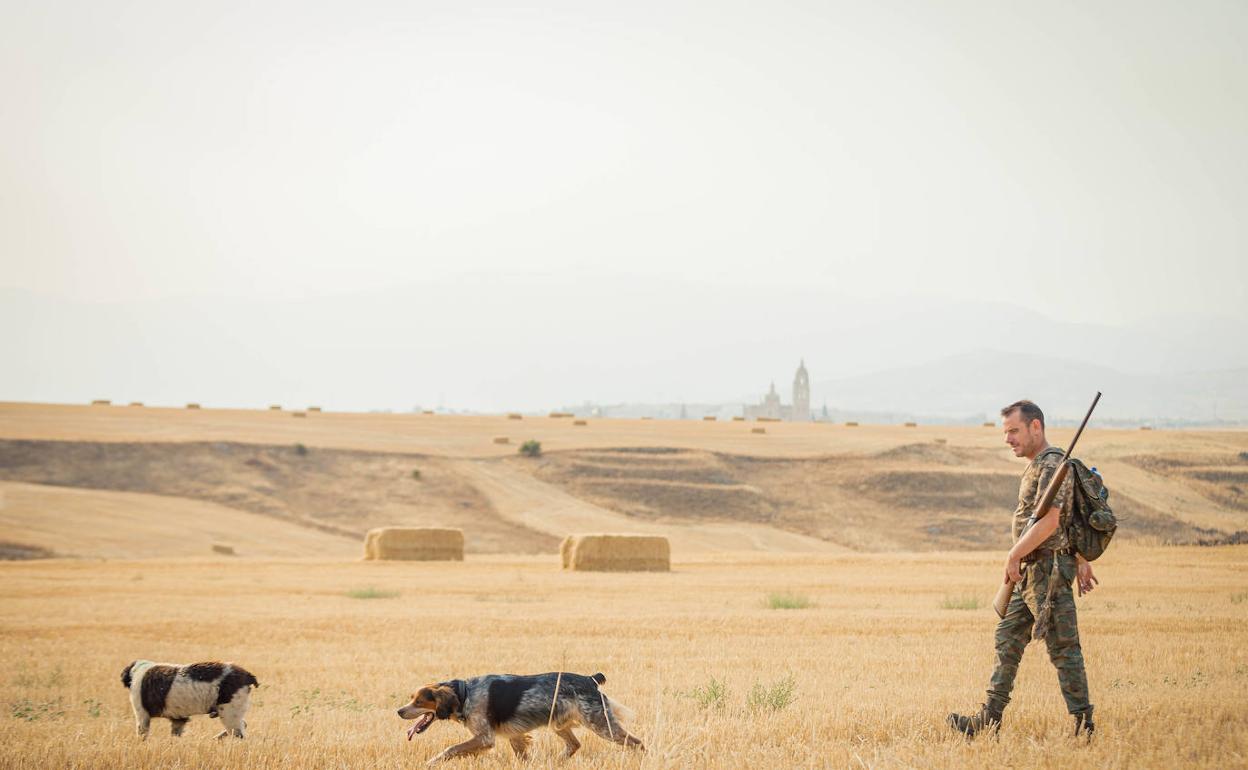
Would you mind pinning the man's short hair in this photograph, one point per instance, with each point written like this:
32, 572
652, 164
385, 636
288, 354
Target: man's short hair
1027, 410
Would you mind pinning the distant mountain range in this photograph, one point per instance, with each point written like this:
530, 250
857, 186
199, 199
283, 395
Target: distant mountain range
506, 343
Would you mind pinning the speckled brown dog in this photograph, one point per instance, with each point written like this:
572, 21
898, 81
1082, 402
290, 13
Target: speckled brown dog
509, 706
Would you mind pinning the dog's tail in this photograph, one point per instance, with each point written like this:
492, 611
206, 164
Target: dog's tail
600, 678
620, 713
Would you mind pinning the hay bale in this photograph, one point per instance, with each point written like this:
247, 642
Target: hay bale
647, 418
560, 415
912, 425
314, 409
414, 544
738, 418
427, 411
501, 440
942, 441
101, 402
224, 550
990, 425
579, 422
709, 418
192, 405
851, 425
136, 403
1146, 427
616, 553
767, 419
758, 430
298, 414
514, 416
275, 407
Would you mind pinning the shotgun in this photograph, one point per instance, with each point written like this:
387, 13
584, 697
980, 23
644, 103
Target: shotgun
1002, 600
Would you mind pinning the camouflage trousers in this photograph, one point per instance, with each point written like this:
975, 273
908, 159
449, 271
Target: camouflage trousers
1015, 630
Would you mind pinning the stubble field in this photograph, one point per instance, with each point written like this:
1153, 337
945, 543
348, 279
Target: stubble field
719, 677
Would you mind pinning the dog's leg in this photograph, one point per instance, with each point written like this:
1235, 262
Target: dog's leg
177, 726
142, 723
569, 740
474, 745
232, 714
520, 744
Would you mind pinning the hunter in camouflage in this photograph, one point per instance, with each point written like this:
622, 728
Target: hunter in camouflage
1043, 604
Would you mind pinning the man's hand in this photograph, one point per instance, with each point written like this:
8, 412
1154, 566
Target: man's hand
1083, 571
1012, 572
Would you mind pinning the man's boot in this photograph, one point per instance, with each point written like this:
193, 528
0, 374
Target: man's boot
1084, 725
988, 718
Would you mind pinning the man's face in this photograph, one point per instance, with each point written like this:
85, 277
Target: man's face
1022, 437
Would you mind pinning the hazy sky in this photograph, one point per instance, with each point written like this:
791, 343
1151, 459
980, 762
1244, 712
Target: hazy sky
283, 150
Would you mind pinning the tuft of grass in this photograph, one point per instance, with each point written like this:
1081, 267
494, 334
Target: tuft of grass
961, 603
371, 593
531, 448
416, 473
301, 450
33, 711
1239, 598
786, 600
773, 697
712, 696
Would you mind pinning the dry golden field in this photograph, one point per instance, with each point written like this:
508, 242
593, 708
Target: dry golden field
874, 661
828, 603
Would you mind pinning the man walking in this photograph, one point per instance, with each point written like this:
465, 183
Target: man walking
1031, 564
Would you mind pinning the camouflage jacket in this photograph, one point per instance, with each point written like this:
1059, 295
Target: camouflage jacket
1035, 480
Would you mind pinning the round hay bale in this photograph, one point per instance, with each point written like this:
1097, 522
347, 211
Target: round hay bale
192, 405
275, 407
616, 553
501, 440
758, 430
710, 418
579, 422
414, 544
101, 402
314, 409
851, 425
298, 414
912, 425
224, 550
514, 416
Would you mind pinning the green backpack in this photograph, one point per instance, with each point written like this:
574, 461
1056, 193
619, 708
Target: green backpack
1092, 523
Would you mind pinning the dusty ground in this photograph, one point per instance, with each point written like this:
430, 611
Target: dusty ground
874, 662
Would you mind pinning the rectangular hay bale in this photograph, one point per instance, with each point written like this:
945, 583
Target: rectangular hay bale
502, 440
616, 553
514, 416
414, 544
758, 430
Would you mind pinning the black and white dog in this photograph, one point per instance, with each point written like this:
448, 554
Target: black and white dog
178, 693
508, 706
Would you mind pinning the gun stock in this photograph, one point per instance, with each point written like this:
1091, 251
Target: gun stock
1001, 601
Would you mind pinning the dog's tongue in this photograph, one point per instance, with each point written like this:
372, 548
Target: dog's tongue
411, 731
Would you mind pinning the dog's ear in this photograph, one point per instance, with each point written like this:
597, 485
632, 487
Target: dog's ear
125, 674
447, 702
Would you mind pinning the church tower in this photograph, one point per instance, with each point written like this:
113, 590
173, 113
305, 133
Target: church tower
801, 394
